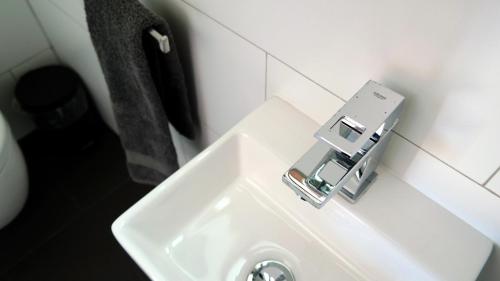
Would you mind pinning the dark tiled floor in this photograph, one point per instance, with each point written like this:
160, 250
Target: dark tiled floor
64, 231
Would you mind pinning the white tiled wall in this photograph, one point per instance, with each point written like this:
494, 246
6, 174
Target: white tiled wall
442, 55
23, 47
74, 9
408, 162
45, 57
229, 72
289, 85
21, 37
494, 183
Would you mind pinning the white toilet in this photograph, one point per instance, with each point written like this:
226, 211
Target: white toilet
13, 175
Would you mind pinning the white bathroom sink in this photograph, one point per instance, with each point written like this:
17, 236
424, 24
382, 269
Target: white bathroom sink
227, 210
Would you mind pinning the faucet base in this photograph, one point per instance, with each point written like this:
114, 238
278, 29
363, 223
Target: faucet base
347, 192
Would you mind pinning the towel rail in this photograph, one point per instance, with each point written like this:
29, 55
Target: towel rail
162, 40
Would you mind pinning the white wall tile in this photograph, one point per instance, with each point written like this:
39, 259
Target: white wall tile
229, 72
494, 183
19, 122
74, 47
453, 191
44, 58
20, 35
74, 8
297, 90
441, 54
462, 197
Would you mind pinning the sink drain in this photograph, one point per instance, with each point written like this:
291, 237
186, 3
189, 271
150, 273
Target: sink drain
270, 271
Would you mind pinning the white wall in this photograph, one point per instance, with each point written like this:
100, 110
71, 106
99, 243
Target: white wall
442, 55
23, 47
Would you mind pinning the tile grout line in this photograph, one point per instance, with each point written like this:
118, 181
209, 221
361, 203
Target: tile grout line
73, 19
447, 165
491, 176
13, 77
265, 77
26, 60
491, 191
45, 34
259, 47
309, 79
223, 25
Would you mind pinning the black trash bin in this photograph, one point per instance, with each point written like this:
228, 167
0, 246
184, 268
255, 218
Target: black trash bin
59, 103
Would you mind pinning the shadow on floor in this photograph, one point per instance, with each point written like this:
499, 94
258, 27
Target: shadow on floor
64, 231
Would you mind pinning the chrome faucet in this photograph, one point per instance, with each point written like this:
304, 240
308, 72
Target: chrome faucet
349, 147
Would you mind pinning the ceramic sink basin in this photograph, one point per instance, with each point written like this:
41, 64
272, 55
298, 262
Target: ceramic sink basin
227, 210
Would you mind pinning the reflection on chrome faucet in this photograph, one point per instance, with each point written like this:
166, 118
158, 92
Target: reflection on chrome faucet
349, 148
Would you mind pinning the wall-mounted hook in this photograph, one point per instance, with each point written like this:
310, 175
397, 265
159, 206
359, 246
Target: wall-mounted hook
162, 40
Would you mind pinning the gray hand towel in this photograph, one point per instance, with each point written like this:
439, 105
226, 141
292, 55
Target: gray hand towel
147, 89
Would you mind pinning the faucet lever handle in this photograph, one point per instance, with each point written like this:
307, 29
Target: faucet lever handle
372, 110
